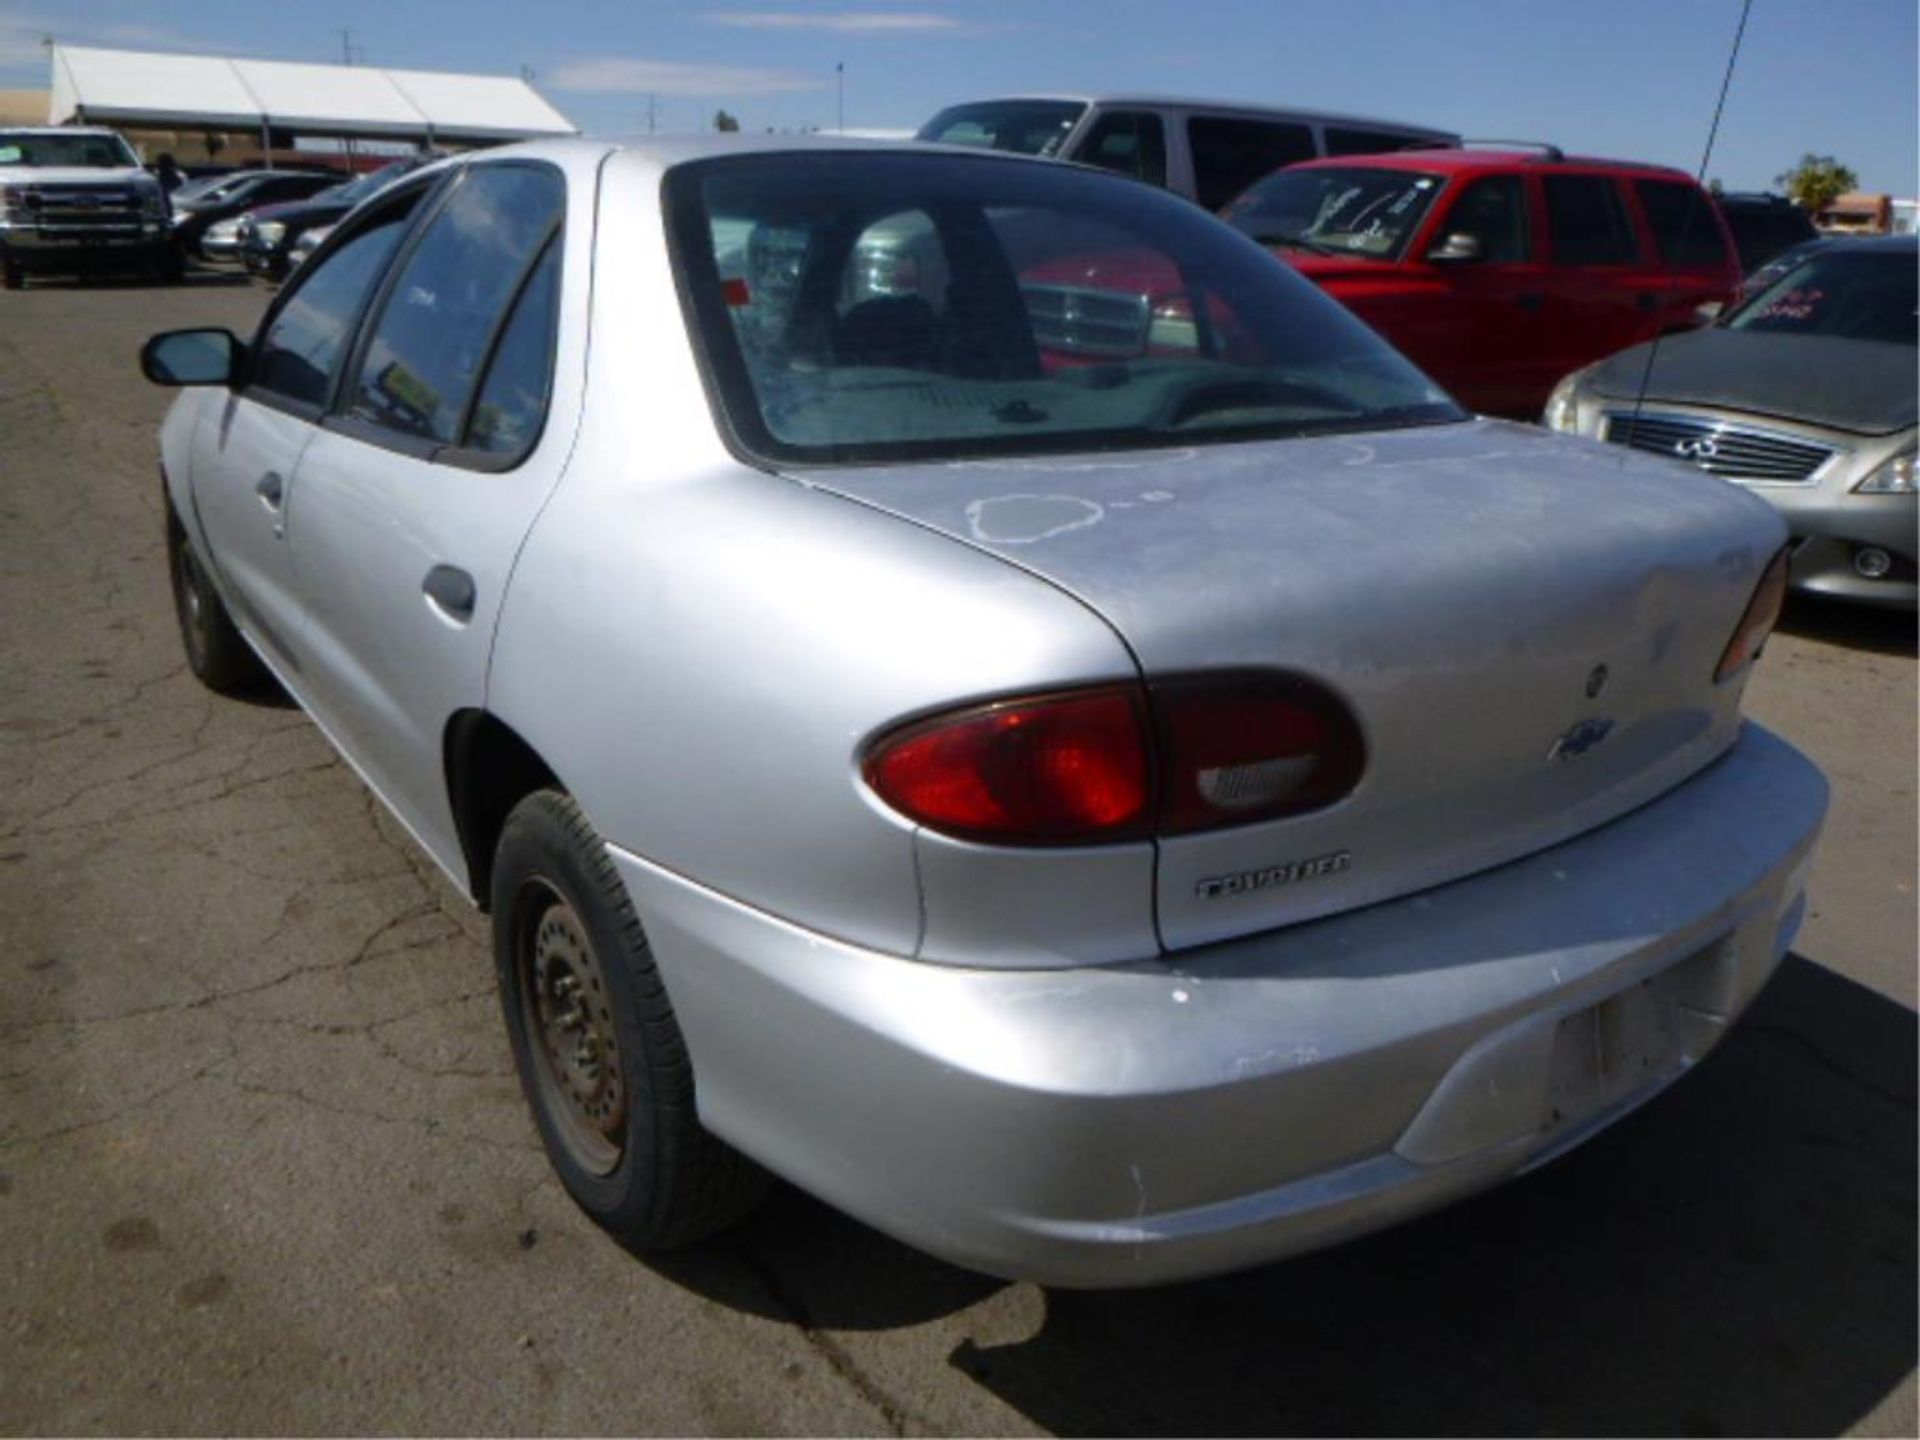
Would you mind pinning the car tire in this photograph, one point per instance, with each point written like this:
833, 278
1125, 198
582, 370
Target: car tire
601, 1058
172, 267
12, 277
217, 654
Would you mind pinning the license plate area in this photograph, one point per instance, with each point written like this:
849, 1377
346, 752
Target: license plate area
1632, 1040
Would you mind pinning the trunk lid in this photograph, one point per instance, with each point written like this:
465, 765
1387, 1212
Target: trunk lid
1460, 586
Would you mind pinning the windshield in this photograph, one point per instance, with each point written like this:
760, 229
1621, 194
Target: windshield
81, 151
1027, 127
1336, 211
862, 307
1853, 294
208, 189
354, 191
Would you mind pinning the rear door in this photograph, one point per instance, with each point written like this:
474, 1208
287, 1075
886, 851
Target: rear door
250, 447
416, 494
1602, 293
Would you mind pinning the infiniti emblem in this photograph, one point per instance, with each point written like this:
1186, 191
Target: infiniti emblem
1699, 447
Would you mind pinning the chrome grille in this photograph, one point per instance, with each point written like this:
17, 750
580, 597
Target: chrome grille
1737, 452
1077, 321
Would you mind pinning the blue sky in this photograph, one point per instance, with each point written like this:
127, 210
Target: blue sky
1633, 78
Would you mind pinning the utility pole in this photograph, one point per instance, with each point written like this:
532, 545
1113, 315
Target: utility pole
346, 58
840, 95
653, 112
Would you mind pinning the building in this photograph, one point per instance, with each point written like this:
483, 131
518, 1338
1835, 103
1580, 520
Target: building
204, 108
1857, 213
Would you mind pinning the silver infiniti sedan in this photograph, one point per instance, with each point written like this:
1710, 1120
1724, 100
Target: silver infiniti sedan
1806, 395
1053, 738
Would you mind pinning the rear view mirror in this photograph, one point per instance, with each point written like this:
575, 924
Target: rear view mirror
191, 357
1457, 249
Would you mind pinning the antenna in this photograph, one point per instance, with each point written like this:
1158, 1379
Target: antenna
653, 111
840, 96
1693, 204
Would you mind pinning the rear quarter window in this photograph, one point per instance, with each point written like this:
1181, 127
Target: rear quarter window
1683, 225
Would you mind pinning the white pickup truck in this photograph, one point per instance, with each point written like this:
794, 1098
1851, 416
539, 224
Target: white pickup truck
76, 200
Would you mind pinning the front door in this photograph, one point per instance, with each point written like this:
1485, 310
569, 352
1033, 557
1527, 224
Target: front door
416, 495
248, 452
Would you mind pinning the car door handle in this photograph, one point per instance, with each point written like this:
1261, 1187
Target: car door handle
272, 491
1529, 301
451, 591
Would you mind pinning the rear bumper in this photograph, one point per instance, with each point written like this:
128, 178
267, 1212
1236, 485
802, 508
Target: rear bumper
1239, 1103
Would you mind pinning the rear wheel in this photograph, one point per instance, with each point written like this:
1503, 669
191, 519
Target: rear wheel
219, 658
600, 1054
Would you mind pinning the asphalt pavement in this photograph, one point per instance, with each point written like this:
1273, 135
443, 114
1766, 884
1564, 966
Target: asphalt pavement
264, 1166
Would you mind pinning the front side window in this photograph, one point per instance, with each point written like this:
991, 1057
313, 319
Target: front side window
860, 307
1493, 210
1230, 154
87, 152
439, 317
1024, 127
1588, 222
305, 338
1683, 224
1852, 295
1127, 142
1337, 210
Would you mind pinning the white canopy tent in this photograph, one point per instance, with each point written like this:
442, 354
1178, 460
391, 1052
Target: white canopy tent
158, 91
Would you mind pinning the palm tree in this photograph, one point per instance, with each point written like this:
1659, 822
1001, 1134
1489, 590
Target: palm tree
1817, 181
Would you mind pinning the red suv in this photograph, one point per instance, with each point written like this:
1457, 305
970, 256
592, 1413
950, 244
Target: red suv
1498, 271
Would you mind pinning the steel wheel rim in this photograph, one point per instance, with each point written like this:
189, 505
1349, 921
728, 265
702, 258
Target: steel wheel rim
195, 609
567, 1010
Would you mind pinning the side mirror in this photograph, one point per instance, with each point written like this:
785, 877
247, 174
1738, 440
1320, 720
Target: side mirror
1458, 249
191, 357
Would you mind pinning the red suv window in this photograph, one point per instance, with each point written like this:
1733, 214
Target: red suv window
1588, 223
1682, 221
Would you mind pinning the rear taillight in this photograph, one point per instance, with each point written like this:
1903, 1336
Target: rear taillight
1090, 767
1235, 749
1051, 770
1763, 612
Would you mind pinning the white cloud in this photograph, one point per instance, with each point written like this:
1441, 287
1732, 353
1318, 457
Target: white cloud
867, 22
616, 76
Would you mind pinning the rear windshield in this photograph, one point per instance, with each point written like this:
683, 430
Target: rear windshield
1337, 211
88, 152
1855, 295
1025, 127
864, 307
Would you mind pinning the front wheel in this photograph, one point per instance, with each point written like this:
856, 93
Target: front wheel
216, 653
12, 277
600, 1054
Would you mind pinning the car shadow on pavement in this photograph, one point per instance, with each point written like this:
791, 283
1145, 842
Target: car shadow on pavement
1737, 1258
1859, 627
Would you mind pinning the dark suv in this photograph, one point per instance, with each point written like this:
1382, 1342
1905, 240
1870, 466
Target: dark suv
1498, 271
1764, 226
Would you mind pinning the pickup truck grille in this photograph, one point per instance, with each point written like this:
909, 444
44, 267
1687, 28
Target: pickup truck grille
1736, 452
1077, 321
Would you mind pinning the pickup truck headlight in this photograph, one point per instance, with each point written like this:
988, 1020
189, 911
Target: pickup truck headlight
270, 232
1563, 405
153, 203
1891, 477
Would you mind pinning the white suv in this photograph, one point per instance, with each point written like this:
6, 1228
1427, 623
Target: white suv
1203, 149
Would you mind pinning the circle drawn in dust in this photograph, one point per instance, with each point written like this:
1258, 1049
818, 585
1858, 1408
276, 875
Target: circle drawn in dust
1024, 519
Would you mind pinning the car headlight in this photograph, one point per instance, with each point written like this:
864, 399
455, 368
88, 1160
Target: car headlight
153, 203
1890, 477
1563, 407
269, 233
223, 230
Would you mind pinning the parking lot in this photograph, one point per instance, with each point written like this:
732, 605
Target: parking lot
264, 1164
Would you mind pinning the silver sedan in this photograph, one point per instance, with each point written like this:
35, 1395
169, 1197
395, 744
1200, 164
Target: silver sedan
1050, 736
